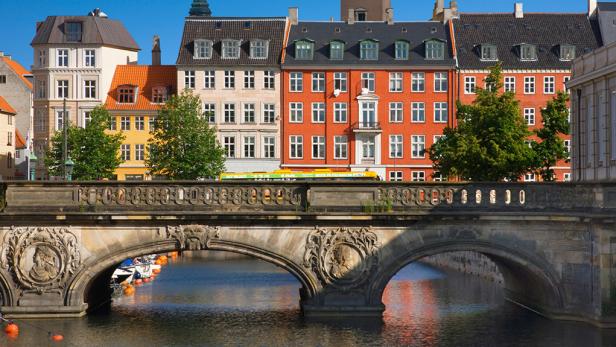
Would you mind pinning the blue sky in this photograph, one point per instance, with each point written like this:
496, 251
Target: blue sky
145, 18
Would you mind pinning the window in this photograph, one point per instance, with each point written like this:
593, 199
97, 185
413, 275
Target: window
209, 111
318, 147
269, 113
395, 176
296, 82
140, 152
229, 79
229, 146
510, 84
395, 146
395, 81
62, 89
396, 112
87, 117
249, 79
73, 31
9, 119
9, 138
259, 49
440, 112
41, 87
529, 85
160, 95
125, 152
90, 57
318, 112
140, 123
340, 112
418, 82
152, 122
440, 82
361, 15
229, 113
435, 50
528, 52
61, 116
189, 79
438, 177
340, 81
341, 146
567, 144
304, 50
470, 84
297, 112
209, 81
567, 52
113, 123
203, 49
249, 113
612, 114
269, 147
9, 160
529, 177
89, 89
418, 146
296, 144
549, 85
42, 58
62, 58
249, 146
231, 49
2, 79
567, 177
368, 147
367, 112
368, 81
125, 123
418, 176
369, 50
336, 50
318, 81
40, 120
418, 111
565, 80
488, 53
269, 79
402, 50
529, 116
126, 95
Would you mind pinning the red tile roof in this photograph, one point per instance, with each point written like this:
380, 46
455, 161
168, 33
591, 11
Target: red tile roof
5, 107
144, 77
20, 143
18, 69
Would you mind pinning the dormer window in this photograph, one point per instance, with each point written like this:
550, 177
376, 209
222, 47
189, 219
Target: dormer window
336, 50
528, 52
361, 15
567, 52
259, 49
435, 50
402, 50
231, 49
73, 31
203, 49
489, 52
369, 50
160, 95
304, 50
126, 94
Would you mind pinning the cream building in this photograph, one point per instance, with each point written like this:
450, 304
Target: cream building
75, 58
7, 140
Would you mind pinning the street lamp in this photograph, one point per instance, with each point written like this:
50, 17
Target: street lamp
69, 165
33, 159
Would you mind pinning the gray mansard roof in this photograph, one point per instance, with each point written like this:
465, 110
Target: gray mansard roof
217, 29
546, 31
323, 33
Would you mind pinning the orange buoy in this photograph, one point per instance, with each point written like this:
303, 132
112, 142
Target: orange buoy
57, 337
146, 280
130, 290
158, 262
11, 329
156, 271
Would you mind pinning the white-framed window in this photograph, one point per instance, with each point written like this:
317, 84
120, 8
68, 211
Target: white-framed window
418, 176
249, 146
568, 148
567, 177
269, 147
440, 82
62, 57
529, 116
231, 49
565, 80
318, 147
125, 152
530, 177
489, 53
369, 50
304, 50
125, 123
435, 50
437, 138
89, 89
229, 113
229, 146
402, 50
528, 52
269, 113
296, 146
249, 113
89, 58
203, 49
529, 85
189, 79
440, 112
549, 85
61, 116
269, 79
318, 112
139, 123
209, 81
341, 147
296, 110
62, 90
318, 82
140, 152
418, 82
418, 146
368, 115
438, 177
259, 49
296, 82
418, 112
249, 79
209, 110
113, 123
470, 84
229, 79
340, 81
396, 112
87, 118
395, 176
340, 112
395, 82
395, 146
510, 84
567, 52
368, 81
42, 58
368, 146
126, 94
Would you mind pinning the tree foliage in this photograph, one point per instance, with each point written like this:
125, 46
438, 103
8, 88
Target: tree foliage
551, 147
94, 152
182, 144
489, 142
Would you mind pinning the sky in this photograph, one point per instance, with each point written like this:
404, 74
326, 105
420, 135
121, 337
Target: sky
146, 18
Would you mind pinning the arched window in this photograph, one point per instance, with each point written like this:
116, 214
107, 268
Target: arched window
369, 50
336, 50
435, 49
402, 50
304, 49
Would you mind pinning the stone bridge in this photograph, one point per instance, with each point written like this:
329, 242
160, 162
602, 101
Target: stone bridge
555, 244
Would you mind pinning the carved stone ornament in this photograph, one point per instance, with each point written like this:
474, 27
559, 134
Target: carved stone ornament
193, 237
41, 259
344, 258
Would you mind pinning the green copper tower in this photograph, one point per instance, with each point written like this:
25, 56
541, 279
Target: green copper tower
200, 8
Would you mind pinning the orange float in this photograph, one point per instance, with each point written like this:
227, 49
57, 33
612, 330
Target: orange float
130, 290
156, 271
57, 337
11, 329
146, 280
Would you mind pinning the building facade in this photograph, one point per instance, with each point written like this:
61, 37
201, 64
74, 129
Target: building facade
7, 140
74, 61
364, 10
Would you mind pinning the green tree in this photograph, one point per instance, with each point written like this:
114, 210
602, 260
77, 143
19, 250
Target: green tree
94, 152
551, 147
183, 145
489, 142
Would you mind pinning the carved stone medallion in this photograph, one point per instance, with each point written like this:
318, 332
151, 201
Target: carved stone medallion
193, 237
41, 259
344, 258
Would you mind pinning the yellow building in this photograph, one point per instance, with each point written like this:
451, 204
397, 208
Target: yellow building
136, 95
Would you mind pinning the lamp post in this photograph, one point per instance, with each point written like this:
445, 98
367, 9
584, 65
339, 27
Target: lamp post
32, 159
68, 167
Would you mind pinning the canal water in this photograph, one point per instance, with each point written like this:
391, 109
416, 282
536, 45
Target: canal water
251, 303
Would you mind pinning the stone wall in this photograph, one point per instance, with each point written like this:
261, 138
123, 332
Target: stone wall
471, 263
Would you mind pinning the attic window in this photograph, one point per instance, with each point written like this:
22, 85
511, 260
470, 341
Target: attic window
402, 50
567, 52
247, 25
259, 49
435, 50
528, 52
337, 30
160, 95
404, 30
231, 49
203, 49
369, 50
489, 52
304, 50
336, 50
73, 31
361, 15
433, 30
126, 94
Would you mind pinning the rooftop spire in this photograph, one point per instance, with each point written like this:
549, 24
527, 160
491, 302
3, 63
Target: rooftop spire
200, 8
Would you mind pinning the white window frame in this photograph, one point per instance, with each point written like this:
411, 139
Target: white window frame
209, 79
89, 58
296, 141
318, 144
341, 81
261, 47
249, 146
203, 49
368, 81
441, 82
89, 89
249, 79
396, 146
396, 82
190, 79
319, 113
269, 147
529, 85
441, 109
418, 176
269, 79
296, 82
396, 112
418, 82
296, 112
509, 84
318, 82
418, 108
530, 115
341, 146
229, 79
396, 176
231, 49
470, 85
341, 112
62, 57
249, 110
549, 85
418, 146
269, 113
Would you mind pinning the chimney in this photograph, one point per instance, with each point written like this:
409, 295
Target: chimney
156, 51
439, 8
592, 7
389, 16
293, 15
351, 16
453, 5
519, 10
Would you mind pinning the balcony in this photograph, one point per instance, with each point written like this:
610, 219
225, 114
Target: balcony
367, 127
